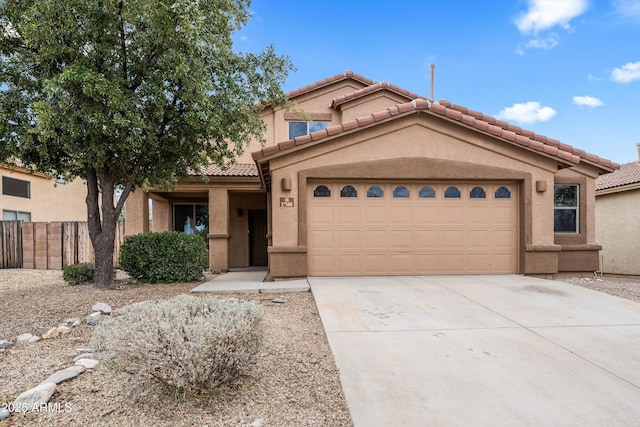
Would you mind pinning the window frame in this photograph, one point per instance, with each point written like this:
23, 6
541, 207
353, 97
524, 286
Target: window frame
7, 179
309, 123
575, 208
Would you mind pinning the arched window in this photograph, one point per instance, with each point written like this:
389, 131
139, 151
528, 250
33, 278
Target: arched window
503, 193
348, 191
375, 191
477, 193
427, 192
322, 191
401, 191
452, 193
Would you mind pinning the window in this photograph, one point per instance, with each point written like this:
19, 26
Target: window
16, 216
191, 218
375, 191
565, 208
427, 192
348, 191
477, 193
322, 191
503, 193
16, 187
452, 193
304, 128
401, 191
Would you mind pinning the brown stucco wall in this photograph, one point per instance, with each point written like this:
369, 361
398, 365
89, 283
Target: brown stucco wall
618, 231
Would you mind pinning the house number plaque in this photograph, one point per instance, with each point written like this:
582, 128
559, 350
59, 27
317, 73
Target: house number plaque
286, 202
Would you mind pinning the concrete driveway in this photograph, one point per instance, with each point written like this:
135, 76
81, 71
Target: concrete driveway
482, 351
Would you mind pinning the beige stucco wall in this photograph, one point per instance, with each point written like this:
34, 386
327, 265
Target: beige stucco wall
48, 202
618, 231
377, 101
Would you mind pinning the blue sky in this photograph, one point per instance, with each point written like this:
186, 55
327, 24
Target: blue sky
567, 69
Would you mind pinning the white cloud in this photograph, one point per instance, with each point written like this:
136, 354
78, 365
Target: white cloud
627, 73
587, 101
527, 112
593, 78
546, 43
545, 14
627, 8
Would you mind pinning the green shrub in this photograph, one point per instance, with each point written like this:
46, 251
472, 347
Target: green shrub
164, 257
78, 273
187, 343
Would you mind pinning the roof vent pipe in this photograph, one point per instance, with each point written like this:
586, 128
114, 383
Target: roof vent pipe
638, 145
433, 72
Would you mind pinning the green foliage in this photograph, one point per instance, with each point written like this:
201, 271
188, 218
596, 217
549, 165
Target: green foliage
164, 257
187, 343
78, 273
130, 93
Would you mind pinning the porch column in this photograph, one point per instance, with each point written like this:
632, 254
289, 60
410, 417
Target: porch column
137, 213
218, 229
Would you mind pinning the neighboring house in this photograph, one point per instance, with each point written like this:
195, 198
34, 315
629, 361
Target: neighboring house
378, 181
33, 197
617, 224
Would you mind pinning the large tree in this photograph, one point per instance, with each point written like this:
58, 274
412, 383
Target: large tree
128, 93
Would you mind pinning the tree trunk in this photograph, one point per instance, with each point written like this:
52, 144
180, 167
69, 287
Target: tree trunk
102, 228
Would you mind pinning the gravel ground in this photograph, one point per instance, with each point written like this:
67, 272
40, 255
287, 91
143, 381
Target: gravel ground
294, 383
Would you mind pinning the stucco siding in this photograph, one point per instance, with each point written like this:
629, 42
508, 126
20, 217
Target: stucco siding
618, 231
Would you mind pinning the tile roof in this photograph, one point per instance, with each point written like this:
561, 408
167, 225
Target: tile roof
629, 173
487, 124
371, 89
235, 169
330, 80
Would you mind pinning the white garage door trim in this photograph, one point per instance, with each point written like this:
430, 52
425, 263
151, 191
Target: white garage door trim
411, 228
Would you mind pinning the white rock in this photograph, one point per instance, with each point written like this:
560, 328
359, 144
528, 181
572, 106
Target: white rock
4, 414
34, 338
76, 322
102, 307
33, 398
5, 344
24, 337
64, 374
258, 422
64, 329
83, 356
87, 363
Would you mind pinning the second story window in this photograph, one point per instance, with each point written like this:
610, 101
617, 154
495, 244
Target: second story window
16, 187
297, 128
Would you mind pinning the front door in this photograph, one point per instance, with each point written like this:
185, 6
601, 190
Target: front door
258, 237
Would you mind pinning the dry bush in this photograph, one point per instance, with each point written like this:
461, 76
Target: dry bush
188, 344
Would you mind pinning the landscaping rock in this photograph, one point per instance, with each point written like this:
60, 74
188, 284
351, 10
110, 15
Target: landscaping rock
64, 374
5, 344
94, 318
51, 333
102, 307
24, 337
34, 338
83, 356
4, 414
278, 300
64, 329
87, 363
35, 397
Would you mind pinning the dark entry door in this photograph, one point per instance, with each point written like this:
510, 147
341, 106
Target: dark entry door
258, 237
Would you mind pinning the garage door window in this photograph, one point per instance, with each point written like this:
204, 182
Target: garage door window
348, 191
427, 192
503, 193
401, 191
452, 193
565, 212
375, 191
477, 193
322, 191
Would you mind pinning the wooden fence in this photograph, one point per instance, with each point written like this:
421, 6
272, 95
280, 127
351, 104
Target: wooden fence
49, 245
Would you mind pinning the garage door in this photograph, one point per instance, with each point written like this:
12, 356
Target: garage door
401, 228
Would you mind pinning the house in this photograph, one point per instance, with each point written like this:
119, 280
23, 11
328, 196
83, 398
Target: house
375, 180
617, 225
34, 197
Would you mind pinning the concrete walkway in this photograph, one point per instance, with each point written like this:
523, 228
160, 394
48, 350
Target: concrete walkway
482, 351
250, 280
